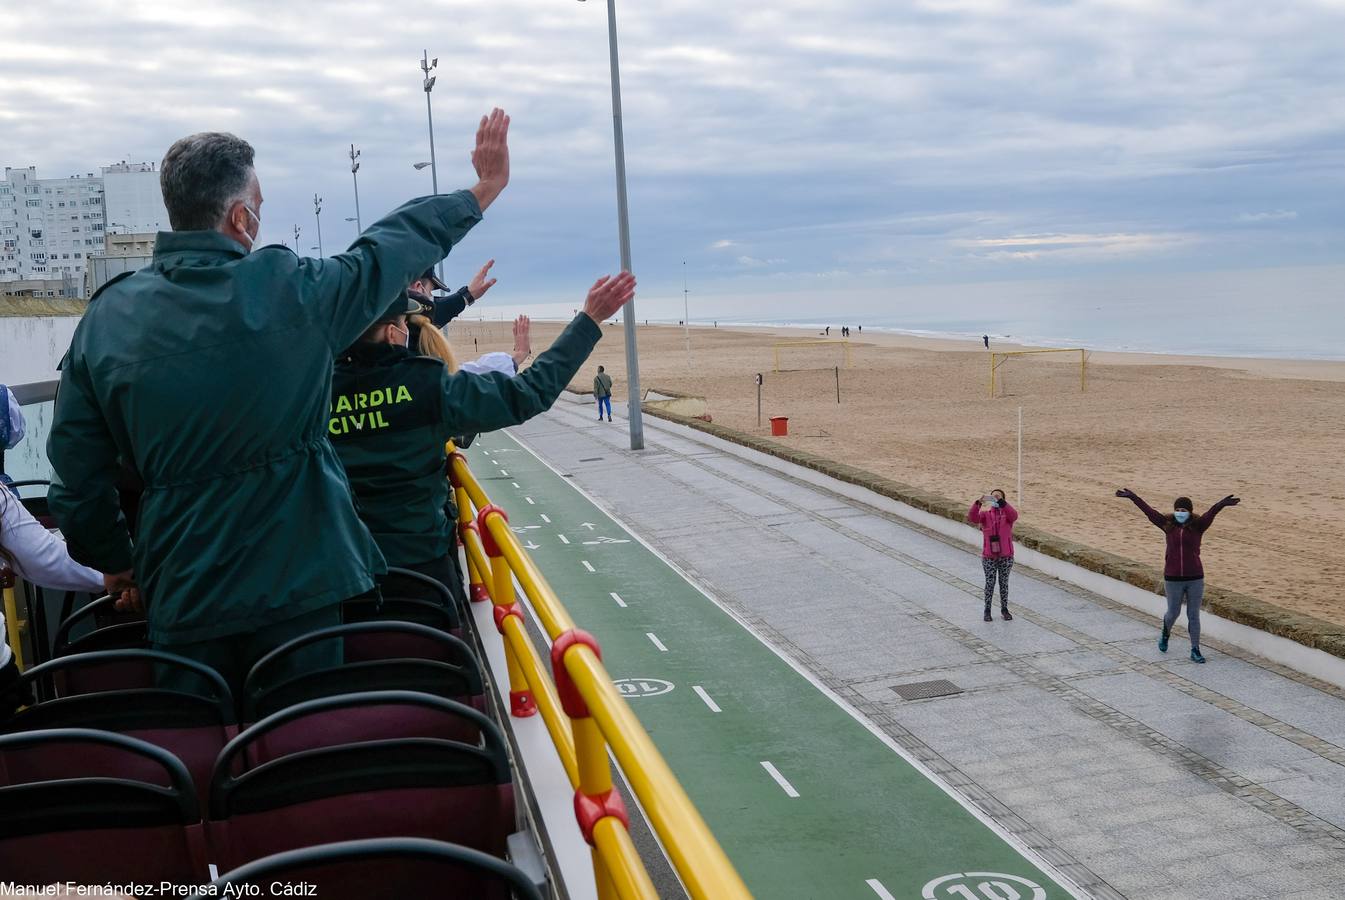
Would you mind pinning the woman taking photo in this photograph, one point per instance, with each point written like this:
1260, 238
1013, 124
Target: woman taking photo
1183, 575
996, 517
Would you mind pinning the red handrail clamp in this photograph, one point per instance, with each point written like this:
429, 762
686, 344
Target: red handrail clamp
570, 699
589, 811
488, 539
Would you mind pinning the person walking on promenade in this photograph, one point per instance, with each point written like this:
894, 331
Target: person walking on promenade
602, 391
996, 517
1183, 575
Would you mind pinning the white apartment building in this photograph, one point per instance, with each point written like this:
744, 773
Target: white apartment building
49, 227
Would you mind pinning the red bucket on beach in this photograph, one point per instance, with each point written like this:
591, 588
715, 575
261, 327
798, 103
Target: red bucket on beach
779, 426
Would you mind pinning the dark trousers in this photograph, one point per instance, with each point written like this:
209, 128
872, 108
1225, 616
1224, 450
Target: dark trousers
233, 656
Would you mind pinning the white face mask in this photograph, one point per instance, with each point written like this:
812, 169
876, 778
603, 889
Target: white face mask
405, 331
252, 238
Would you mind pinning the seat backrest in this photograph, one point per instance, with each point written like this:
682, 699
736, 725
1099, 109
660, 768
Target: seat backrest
60, 821
386, 867
192, 726
398, 609
438, 663
408, 583
265, 800
123, 634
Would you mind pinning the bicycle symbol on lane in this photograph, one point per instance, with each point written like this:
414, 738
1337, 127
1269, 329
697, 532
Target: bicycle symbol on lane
982, 886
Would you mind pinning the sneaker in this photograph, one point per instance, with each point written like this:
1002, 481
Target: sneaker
988, 617
1163, 641
1195, 655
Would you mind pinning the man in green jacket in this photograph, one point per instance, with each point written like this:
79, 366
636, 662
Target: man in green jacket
393, 412
209, 373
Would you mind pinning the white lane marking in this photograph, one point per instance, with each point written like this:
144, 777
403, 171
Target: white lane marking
619, 602
504, 472
587, 565
563, 539
657, 643
779, 779
879, 889
530, 501
545, 518
496, 461
515, 484
700, 692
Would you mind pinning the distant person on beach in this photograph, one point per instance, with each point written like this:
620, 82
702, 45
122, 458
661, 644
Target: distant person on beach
602, 392
996, 517
1183, 575
986, 338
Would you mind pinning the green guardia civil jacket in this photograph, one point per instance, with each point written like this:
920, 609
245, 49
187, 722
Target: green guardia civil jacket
393, 412
209, 371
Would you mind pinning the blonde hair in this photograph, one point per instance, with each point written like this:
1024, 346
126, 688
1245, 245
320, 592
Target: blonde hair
433, 343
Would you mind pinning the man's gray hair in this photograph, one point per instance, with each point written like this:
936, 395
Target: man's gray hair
202, 175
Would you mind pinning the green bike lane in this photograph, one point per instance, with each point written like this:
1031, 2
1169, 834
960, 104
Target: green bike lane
806, 800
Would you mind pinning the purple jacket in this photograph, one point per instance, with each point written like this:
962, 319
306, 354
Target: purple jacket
1182, 561
994, 522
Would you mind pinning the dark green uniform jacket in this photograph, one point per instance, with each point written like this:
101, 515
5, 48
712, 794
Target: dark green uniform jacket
393, 411
209, 371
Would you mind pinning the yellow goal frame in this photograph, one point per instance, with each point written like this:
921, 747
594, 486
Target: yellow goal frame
999, 357
845, 344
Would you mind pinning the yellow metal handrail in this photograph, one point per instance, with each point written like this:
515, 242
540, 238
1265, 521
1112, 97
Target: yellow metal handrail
585, 715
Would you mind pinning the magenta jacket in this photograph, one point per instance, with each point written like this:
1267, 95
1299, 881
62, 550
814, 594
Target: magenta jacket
1182, 560
994, 521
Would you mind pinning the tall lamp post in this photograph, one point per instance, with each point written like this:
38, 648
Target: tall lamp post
427, 83
623, 227
354, 168
317, 214
686, 314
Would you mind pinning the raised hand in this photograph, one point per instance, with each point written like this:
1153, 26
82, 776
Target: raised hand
608, 295
1127, 493
480, 283
1230, 500
490, 157
522, 337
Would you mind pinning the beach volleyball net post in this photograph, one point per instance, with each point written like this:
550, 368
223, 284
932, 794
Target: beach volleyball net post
798, 345
999, 358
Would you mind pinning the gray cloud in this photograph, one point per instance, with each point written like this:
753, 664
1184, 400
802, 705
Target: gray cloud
890, 142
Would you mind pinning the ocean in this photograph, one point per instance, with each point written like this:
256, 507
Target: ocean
1274, 313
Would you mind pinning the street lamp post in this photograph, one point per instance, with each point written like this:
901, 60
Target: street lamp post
623, 227
296, 238
686, 314
427, 83
317, 214
354, 168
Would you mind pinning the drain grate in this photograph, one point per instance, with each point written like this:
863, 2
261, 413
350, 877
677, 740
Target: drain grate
924, 690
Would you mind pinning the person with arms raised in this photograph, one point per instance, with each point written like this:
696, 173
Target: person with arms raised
394, 411
209, 373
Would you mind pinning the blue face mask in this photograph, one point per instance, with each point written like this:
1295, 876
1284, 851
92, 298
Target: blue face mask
1181, 516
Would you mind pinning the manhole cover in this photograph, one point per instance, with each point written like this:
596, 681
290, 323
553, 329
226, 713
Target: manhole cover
923, 690
591, 459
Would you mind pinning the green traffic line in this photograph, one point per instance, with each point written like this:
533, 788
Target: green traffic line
862, 812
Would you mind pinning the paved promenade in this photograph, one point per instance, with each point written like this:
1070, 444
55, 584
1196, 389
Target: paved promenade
1122, 770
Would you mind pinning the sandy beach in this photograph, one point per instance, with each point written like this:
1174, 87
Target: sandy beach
917, 410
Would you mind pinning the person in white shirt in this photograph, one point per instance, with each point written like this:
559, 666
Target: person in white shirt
39, 557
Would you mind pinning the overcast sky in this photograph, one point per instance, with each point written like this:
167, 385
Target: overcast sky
781, 147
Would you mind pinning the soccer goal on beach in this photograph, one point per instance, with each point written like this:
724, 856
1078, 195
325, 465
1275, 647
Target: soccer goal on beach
812, 354
998, 376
